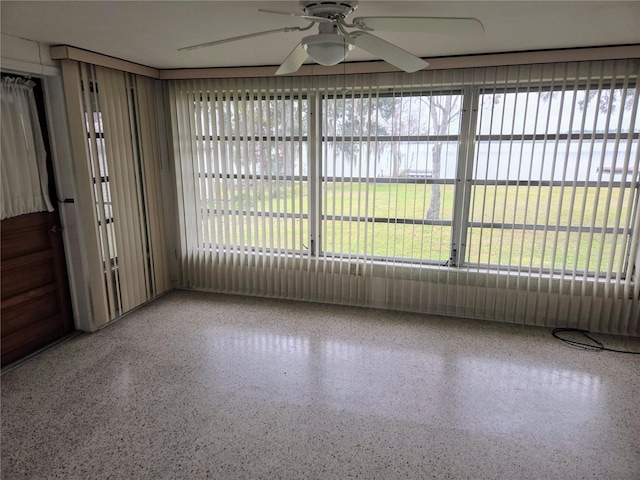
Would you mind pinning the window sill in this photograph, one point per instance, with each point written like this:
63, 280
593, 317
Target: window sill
432, 271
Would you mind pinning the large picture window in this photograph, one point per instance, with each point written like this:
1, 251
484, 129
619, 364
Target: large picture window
526, 169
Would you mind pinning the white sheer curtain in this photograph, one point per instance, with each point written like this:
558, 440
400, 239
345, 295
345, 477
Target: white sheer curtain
23, 156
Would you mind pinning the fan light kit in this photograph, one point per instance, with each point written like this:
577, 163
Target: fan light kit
336, 38
326, 49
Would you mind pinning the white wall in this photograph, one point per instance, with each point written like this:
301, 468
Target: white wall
21, 55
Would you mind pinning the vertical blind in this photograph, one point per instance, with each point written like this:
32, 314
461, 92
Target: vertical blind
242, 171
554, 190
118, 183
506, 193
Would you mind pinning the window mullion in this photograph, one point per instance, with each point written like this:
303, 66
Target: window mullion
464, 173
315, 173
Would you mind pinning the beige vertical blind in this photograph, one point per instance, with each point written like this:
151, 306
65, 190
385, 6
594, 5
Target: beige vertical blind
118, 186
505, 193
242, 171
554, 191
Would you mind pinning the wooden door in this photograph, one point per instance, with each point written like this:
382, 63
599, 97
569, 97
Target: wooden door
35, 308
35, 305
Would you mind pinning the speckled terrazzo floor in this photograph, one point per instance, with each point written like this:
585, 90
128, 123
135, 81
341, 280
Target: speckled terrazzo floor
209, 386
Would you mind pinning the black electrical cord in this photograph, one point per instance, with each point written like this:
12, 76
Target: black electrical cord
596, 346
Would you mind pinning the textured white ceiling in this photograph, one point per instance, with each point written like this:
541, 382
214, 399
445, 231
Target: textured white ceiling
150, 32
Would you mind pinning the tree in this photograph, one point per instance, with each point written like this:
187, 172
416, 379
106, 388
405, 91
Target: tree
266, 124
394, 123
386, 116
443, 110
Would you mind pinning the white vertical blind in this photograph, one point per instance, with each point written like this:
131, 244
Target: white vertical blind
556, 187
119, 186
242, 174
152, 190
506, 193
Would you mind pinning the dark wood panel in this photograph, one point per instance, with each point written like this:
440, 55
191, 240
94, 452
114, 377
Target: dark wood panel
26, 261
35, 307
31, 295
26, 313
19, 280
31, 338
24, 235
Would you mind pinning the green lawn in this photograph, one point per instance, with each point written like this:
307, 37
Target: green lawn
497, 204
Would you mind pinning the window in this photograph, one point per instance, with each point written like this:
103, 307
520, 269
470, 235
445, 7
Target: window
554, 184
252, 161
388, 173
525, 169
98, 166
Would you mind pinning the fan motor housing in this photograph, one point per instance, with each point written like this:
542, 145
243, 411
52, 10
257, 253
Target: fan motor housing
328, 9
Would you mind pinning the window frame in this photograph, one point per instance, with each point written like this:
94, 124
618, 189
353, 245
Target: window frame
210, 213
553, 137
468, 140
427, 180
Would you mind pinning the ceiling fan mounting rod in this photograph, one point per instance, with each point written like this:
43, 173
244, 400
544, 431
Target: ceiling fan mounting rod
328, 27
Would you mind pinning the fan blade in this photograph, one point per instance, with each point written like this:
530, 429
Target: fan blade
241, 37
388, 52
306, 17
420, 24
294, 61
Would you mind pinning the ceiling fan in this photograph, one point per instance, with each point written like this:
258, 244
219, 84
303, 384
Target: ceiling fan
336, 38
